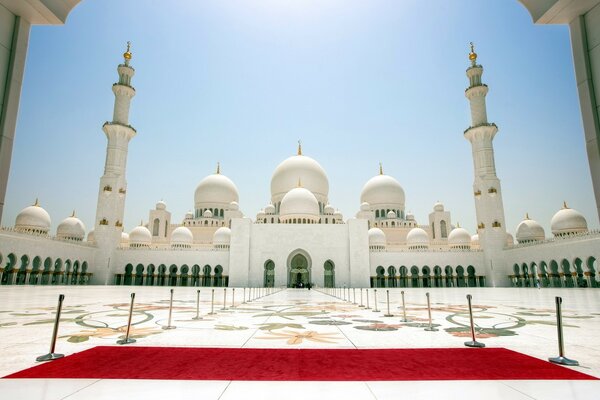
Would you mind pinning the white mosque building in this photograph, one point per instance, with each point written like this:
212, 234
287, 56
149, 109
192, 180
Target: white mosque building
299, 238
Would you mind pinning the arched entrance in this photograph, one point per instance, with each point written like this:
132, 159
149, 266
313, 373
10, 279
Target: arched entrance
269, 279
299, 271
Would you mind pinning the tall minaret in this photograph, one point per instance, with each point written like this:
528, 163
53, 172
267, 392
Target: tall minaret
113, 185
486, 186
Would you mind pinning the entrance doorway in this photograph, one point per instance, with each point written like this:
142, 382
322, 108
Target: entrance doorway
299, 275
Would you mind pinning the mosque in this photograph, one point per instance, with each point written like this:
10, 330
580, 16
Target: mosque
299, 238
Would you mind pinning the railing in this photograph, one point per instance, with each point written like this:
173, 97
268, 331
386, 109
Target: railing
591, 233
12, 230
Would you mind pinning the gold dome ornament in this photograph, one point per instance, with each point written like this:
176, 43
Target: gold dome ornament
127, 55
473, 55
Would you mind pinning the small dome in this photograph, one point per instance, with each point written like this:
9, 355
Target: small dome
568, 221
182, 236
438, 207
475, 240
124, 238
71, 228
410, 216
364, 206
189, 215
383, 190
459, 237
417, 238
222, 236
207, 214
234, 206
328, 210
33, 219
161, 205
270, 209
391, 214
261, 213
337, 214
529, 230
90, 236
215, 189
299, 201
140, 236
376, 237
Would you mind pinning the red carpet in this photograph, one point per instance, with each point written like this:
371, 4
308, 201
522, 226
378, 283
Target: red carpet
298, 365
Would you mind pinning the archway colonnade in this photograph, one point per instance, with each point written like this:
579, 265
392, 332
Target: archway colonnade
426, 276
36, 270
580, 272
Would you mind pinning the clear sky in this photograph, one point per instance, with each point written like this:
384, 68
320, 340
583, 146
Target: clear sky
358, 82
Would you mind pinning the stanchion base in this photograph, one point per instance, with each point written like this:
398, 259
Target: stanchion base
197, 318
49, 357
563, 361
432, 329
125, 341
474, 343
375, 310
212, 313
223, 309
361, 306
403, 320
169, 327
388, 315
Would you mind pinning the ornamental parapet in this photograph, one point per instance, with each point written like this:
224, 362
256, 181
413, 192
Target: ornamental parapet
594, 233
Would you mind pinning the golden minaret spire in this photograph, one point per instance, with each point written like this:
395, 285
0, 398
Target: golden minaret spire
299, 147
127, 55
473, 55
380, 169
218, 167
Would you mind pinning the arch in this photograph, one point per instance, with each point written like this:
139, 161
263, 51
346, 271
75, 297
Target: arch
449, 279
329, 274
543, 271
460, 276
299, 268
471, 279
195, 275
269, 274
403, 272
173, 275
566, 269
218, 279
437, 276
592, 267
162, 275
206, 270
555, 274
128, 274
426, 271
36, 265
22, 272
139, 274
414, 276
392, 279
443, 229
150, 271
580, 280
184, 277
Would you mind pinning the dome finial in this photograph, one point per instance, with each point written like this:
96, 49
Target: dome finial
473, 55
299, 182
37, 202
127, 55
299, 147
526, 215
565, 204
218, 167
380, 169
457, 224
73, 214
141, 222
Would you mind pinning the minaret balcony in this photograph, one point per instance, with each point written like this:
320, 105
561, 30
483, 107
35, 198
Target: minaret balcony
484, 129
476, 91
120, 89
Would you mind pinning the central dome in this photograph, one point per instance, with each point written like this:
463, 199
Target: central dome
215, 189
299, 202
286, 175
383, 190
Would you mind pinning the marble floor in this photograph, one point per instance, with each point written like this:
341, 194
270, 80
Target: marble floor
518, 319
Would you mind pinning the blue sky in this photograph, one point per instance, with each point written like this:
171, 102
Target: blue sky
358, 82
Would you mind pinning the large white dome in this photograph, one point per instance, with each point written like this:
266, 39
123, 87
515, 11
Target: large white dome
529, 230
299, 202
286, 175
459, 237
71, 228
33, 219
568, 221
383, 190
215, 189
140, 236
417, 237
182, 236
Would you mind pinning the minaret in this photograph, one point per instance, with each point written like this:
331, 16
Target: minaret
113, 185
486, 186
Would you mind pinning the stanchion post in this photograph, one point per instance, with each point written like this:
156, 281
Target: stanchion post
387, 294
52, 355
233, 298
244, 297
197, 317
353, 295
561, 359
367, 308
404, 319
472, 342
128, 340
169, 326
375, 309
224, 299
430, 328
212, 303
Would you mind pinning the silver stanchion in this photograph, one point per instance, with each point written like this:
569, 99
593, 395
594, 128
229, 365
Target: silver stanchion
127, 340
353, 295
244, 296
52, 355
367, 308
404, 319
375, 300
472, 342
344, 293
561, 359
387, 294
197, 317
361, 299
212, 303
233, 298
169, 326
430, 328
224, 299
